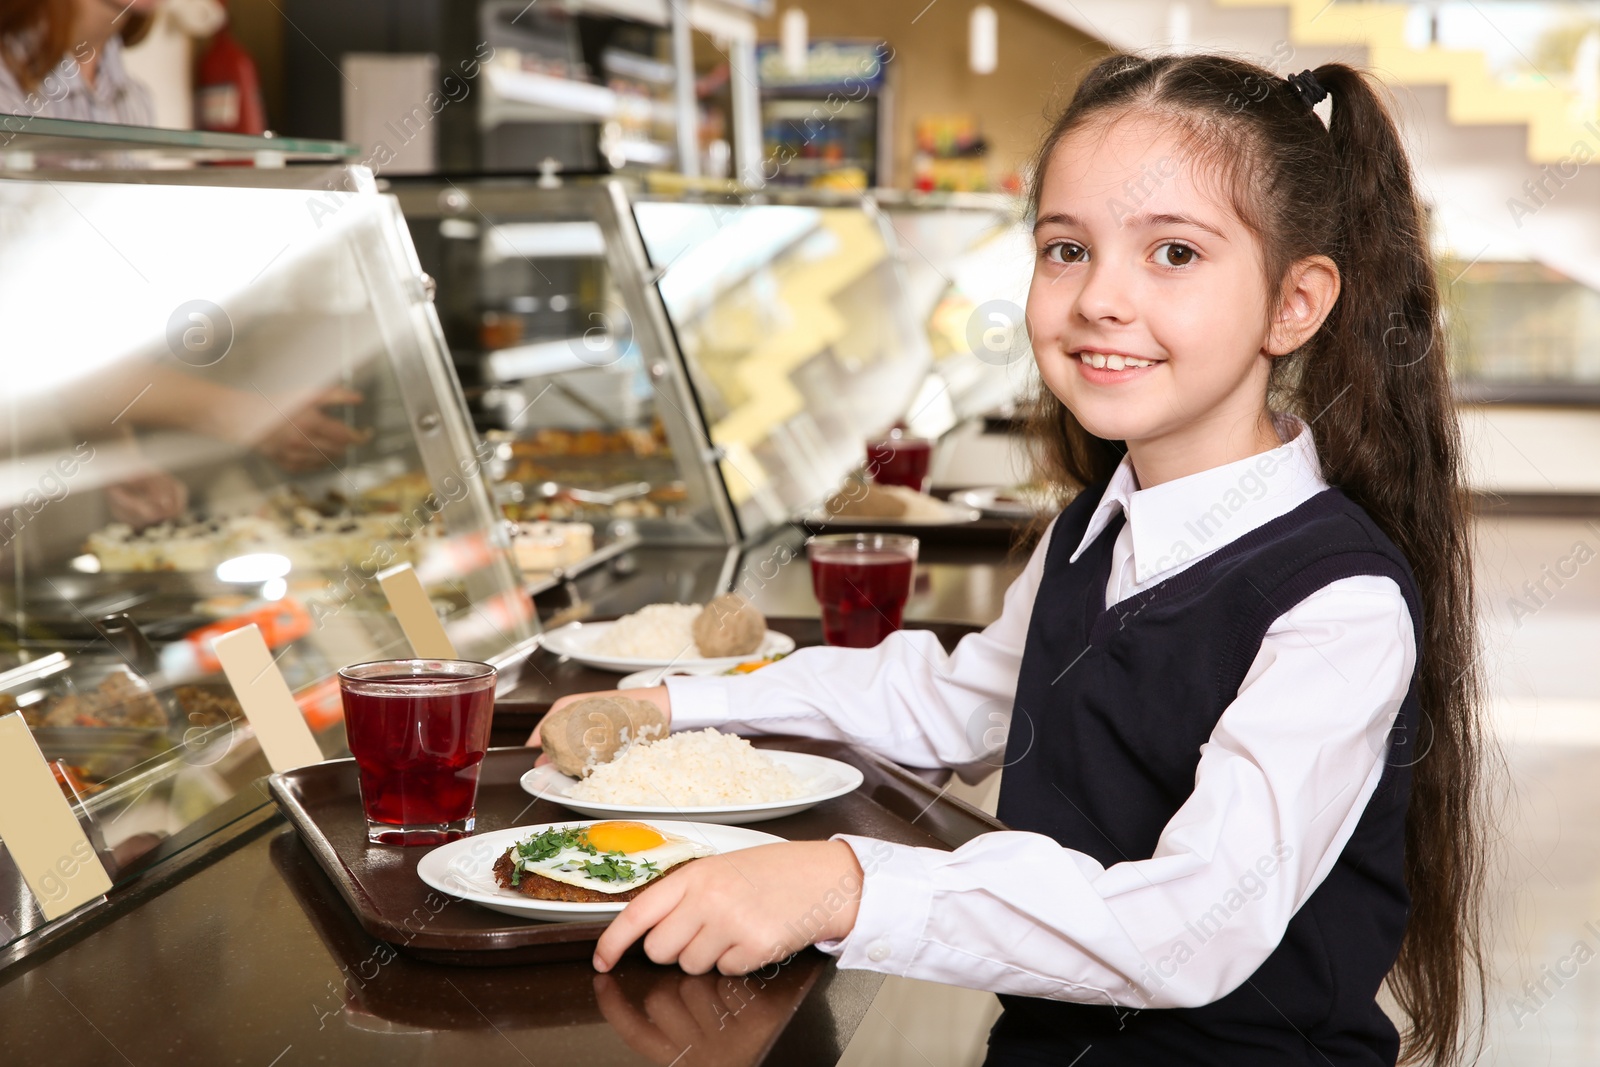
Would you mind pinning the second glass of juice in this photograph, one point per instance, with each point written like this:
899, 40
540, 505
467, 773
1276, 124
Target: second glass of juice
900, 460
861, 581
418, 729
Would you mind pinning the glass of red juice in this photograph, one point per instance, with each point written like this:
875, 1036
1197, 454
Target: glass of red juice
418, 729
861, 581
897, 460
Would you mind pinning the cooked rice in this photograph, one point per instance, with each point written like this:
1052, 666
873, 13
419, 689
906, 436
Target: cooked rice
698, 768
660, 631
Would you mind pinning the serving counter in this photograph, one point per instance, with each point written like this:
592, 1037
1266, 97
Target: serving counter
238, 948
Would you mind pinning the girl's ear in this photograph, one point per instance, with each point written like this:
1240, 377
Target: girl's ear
1308, 295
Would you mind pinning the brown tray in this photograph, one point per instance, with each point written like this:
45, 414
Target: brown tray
380, 885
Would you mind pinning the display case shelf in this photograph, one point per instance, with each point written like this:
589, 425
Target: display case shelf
26, 134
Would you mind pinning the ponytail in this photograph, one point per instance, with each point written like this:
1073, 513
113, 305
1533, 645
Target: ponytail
1373, 383
1394, 447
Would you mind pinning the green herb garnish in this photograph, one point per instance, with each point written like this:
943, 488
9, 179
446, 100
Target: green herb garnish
611, 867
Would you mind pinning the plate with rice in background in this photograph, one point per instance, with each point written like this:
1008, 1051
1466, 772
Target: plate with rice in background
698, 776
670, 635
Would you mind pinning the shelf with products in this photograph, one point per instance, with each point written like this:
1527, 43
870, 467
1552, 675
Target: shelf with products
252, 413
570, 71
827, 122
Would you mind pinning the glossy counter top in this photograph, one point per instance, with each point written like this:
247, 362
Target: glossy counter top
254, 960
239, 950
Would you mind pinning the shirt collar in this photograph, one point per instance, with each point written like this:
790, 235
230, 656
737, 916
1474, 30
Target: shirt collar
110, 76
1182, 520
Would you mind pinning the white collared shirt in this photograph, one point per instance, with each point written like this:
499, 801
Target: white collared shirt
1280, 785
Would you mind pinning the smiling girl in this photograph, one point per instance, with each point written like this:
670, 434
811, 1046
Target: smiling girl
1242, 762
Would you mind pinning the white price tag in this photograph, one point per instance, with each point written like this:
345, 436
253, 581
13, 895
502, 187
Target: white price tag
39, 828
264, 695
410, 604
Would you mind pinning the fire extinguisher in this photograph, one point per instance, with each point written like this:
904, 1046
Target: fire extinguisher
227, 88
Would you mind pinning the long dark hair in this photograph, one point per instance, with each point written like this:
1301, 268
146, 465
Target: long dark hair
35, 35
1373, 383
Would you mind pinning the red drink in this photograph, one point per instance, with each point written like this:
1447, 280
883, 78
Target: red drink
900, 461
861, 582
418, 730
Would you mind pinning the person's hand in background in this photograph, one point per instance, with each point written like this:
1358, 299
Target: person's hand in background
147, 499
306, 437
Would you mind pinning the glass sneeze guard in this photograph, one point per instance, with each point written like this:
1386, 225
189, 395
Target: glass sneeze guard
794, 324
222, 407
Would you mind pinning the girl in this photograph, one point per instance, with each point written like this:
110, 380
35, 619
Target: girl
1243, 750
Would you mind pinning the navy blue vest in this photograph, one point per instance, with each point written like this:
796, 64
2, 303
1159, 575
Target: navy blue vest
1112, 707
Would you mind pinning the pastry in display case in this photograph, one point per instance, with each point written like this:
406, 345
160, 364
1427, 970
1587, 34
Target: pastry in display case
229, 402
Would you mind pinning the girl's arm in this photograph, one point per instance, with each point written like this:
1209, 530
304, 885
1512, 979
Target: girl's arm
1280, 786
906, 699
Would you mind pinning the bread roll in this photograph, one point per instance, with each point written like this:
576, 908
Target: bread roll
590, 731
729, 626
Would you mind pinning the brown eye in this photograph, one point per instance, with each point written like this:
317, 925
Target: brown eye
1066, 252
1176, 255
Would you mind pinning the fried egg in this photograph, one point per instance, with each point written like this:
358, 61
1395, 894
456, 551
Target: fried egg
607, 857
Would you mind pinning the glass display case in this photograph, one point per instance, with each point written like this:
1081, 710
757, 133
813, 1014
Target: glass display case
969, 261
690, 370
1522, 330
796, 329
228, 401
568, 362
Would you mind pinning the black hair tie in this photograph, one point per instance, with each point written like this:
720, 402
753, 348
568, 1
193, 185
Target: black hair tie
1307, 88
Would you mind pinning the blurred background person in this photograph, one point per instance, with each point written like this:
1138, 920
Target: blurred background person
62, 59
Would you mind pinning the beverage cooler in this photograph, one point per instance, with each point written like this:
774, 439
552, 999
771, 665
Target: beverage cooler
826, 124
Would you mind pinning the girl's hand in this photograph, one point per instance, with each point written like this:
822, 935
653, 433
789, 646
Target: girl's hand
741, 910
657, 696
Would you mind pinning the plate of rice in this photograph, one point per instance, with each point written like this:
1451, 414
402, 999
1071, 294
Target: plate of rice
699, 776
660, 635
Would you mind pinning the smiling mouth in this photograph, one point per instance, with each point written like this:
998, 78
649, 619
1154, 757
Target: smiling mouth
1114, 360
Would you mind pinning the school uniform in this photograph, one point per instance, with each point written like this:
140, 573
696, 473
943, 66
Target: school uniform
1208, 689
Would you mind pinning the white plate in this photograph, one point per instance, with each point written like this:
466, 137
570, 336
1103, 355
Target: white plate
828, 778
948, 515
988, 501
654, 676
465, 868
575, 638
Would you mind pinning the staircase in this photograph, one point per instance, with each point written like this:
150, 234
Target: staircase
1511, 170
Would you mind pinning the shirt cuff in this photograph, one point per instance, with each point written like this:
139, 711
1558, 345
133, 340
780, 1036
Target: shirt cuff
697, 702
896, 896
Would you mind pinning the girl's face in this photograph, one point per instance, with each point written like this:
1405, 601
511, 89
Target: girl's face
1148, 308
